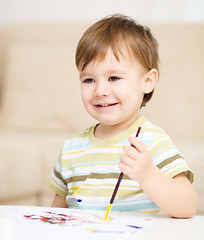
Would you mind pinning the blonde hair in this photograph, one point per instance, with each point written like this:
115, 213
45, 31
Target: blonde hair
112, 32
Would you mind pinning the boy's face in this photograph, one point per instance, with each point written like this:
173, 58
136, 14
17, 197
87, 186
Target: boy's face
112, 91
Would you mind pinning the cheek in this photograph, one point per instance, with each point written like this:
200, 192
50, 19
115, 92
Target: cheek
84, 96
84, 91
133, 96
86, 100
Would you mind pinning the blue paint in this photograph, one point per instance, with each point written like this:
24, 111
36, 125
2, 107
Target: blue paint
75, 200
134, 226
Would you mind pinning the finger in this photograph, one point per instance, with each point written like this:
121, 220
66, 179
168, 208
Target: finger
128, 161
124, 168
131, 151
137, 143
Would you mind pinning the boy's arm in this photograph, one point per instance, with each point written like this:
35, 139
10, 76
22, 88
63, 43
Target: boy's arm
59, 201
176, 195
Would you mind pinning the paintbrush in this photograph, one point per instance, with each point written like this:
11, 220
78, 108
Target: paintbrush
117, 186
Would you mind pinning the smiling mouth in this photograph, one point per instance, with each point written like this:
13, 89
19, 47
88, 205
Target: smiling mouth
106, 104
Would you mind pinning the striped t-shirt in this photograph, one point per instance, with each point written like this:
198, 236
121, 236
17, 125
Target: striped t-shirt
87, 170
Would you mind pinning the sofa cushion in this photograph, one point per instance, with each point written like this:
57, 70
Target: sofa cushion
21, 168
26, 161
42, 90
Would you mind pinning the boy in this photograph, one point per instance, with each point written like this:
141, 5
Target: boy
117, 60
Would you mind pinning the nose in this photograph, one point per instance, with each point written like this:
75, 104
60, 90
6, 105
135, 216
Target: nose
102, 88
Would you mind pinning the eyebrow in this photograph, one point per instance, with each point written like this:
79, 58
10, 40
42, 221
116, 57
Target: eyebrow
116, 71
109, 72
82, 74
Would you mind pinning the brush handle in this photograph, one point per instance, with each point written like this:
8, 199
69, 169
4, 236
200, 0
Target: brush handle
120, 177
116, 187
138, 131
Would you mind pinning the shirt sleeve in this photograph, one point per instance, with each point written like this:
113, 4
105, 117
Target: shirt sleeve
56, 182
168, 159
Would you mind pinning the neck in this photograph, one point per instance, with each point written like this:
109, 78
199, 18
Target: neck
105, 132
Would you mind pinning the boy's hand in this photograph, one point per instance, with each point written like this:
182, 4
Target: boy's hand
136, 161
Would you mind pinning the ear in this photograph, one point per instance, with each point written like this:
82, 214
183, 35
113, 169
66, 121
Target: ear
150, 82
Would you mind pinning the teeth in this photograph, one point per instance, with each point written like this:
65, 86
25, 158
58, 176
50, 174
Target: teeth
106, 104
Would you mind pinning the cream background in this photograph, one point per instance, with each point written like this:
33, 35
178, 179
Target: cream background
148, 11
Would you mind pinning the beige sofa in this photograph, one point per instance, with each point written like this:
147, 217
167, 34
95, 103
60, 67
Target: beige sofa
40, 102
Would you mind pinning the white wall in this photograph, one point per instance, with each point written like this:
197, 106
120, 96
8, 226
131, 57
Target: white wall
148, 11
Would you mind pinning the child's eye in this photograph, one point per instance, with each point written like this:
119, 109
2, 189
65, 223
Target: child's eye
89, 80
113, 78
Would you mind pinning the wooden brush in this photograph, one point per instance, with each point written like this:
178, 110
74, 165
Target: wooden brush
117, 186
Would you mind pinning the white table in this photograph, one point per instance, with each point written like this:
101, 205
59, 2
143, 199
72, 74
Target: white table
160, 226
